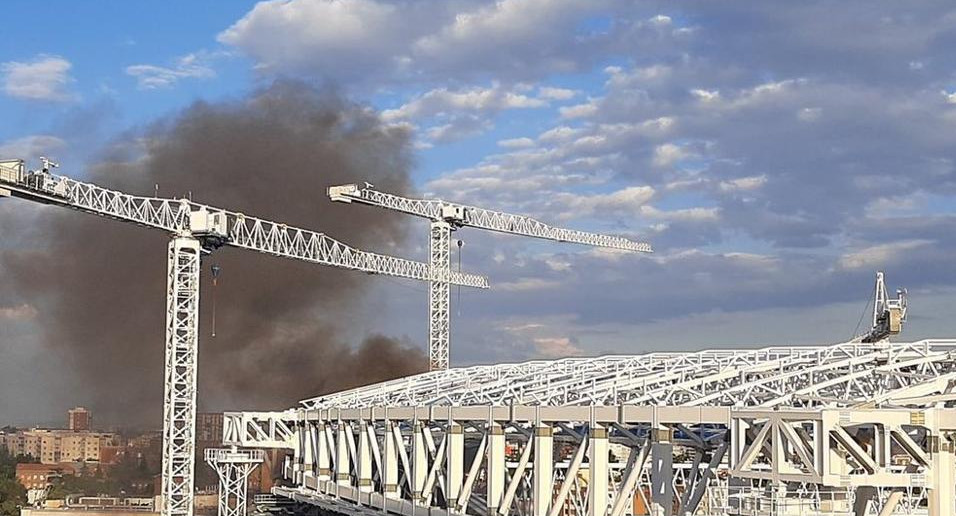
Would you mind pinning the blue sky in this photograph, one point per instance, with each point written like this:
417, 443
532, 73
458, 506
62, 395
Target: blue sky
776, 155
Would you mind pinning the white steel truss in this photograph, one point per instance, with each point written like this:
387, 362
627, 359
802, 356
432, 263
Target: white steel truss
853, 428
471, 216
226, 227
446, 217
233, 467
439, 293
179, 402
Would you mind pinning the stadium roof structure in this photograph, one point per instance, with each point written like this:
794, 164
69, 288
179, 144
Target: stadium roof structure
850, 428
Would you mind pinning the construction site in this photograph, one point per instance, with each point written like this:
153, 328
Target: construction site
858, 428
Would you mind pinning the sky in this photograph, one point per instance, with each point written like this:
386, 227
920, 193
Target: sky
776, 155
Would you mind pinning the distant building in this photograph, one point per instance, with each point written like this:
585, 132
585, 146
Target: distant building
80, 419
56, 446
209, 428
39, 476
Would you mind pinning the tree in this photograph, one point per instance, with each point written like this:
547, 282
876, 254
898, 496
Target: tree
12, 494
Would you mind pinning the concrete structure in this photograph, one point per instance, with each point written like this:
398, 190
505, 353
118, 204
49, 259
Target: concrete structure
854, 428
80, 419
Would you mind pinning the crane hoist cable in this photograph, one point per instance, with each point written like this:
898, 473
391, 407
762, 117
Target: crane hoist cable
216, 271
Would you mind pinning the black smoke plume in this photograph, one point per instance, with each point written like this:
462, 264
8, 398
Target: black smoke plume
100, 284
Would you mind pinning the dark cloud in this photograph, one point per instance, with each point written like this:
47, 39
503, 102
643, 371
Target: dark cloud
99, 285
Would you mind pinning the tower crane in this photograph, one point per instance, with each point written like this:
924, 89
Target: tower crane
197, 229
889, 314
446, 217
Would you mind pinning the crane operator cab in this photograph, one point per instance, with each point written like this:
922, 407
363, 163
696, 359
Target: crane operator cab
211, 227
11, 171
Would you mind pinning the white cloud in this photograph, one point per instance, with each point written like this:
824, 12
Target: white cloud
442, 101
556, 347
190, 66
879, 256
661, 20
458, 129
342, 38
743, 183
950, 97
556, 93
705, 95
527, 284
46, 77
809, 114
668, 154
558, 134
686, 214
364, 41
18, 313
32, 147
627, 200
460, 113
516, 143
579, 110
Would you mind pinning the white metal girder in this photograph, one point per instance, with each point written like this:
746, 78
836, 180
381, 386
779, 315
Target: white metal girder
233, 467
237, 229
179, 402
439, 313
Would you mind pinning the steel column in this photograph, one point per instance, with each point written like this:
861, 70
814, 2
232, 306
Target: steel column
179, 402
233, 467
439, 294
542, 472
598, 472
495, 468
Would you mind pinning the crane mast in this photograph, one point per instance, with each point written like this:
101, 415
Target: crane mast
446, 217
198, 229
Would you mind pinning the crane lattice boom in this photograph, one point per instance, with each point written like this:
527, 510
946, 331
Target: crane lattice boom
446, 217
216, 226
461, 215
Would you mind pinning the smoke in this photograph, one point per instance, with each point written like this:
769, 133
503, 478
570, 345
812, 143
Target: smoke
281, 324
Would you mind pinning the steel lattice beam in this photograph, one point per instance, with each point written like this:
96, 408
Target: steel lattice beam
175, 216
179, 402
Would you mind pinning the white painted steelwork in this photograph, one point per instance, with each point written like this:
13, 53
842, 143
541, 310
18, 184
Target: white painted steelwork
446, 217
233, 467
179, 400
853, 428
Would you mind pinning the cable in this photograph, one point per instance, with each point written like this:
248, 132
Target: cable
862, 315
215, 283
458, 303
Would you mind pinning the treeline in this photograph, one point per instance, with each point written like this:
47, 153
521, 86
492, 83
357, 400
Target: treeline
12, 494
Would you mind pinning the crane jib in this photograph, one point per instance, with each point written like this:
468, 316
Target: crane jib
213, 226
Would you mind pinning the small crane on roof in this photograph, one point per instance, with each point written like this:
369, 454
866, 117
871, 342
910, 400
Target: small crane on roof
888, 314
